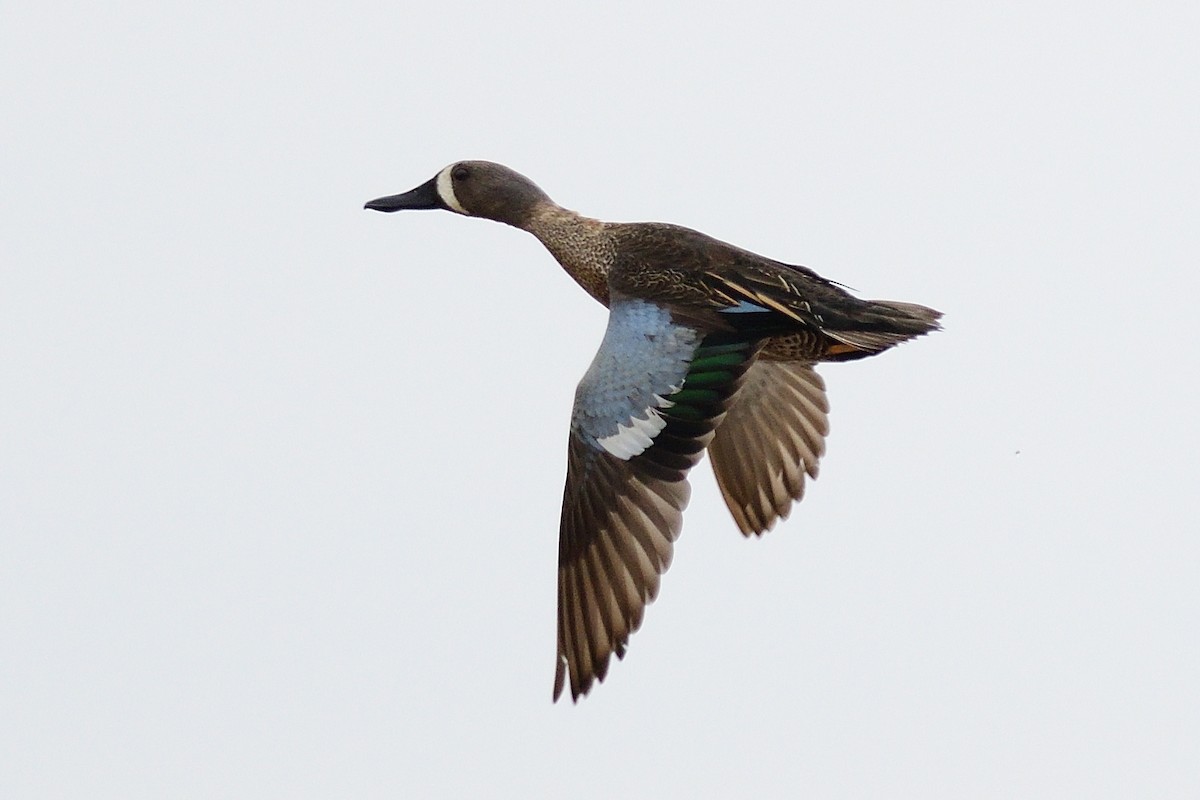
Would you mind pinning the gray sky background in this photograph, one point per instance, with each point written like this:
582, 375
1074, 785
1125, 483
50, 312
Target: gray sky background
280, 478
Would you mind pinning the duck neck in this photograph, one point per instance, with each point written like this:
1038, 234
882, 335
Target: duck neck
583, 246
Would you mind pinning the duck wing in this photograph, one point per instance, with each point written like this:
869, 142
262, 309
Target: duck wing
772, 436
643, 415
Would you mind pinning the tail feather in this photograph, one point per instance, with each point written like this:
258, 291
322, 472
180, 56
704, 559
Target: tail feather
887, 323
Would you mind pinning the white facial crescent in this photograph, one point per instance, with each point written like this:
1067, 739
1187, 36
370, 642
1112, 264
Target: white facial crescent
445, 190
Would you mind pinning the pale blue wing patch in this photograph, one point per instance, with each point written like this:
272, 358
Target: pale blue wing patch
744, 307
643, 360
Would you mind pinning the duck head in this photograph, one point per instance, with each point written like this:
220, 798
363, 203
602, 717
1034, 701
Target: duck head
474, 189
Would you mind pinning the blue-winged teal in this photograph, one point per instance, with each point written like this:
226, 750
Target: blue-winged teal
707, 346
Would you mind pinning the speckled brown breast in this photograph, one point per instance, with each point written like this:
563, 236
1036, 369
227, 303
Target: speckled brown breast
581, 245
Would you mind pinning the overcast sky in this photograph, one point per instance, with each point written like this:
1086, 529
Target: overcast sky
280, 478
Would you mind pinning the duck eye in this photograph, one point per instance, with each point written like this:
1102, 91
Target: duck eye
460, 173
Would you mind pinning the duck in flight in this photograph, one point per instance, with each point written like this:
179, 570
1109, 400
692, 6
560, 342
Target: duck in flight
708, 347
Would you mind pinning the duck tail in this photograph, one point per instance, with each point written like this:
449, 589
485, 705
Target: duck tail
883, 324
